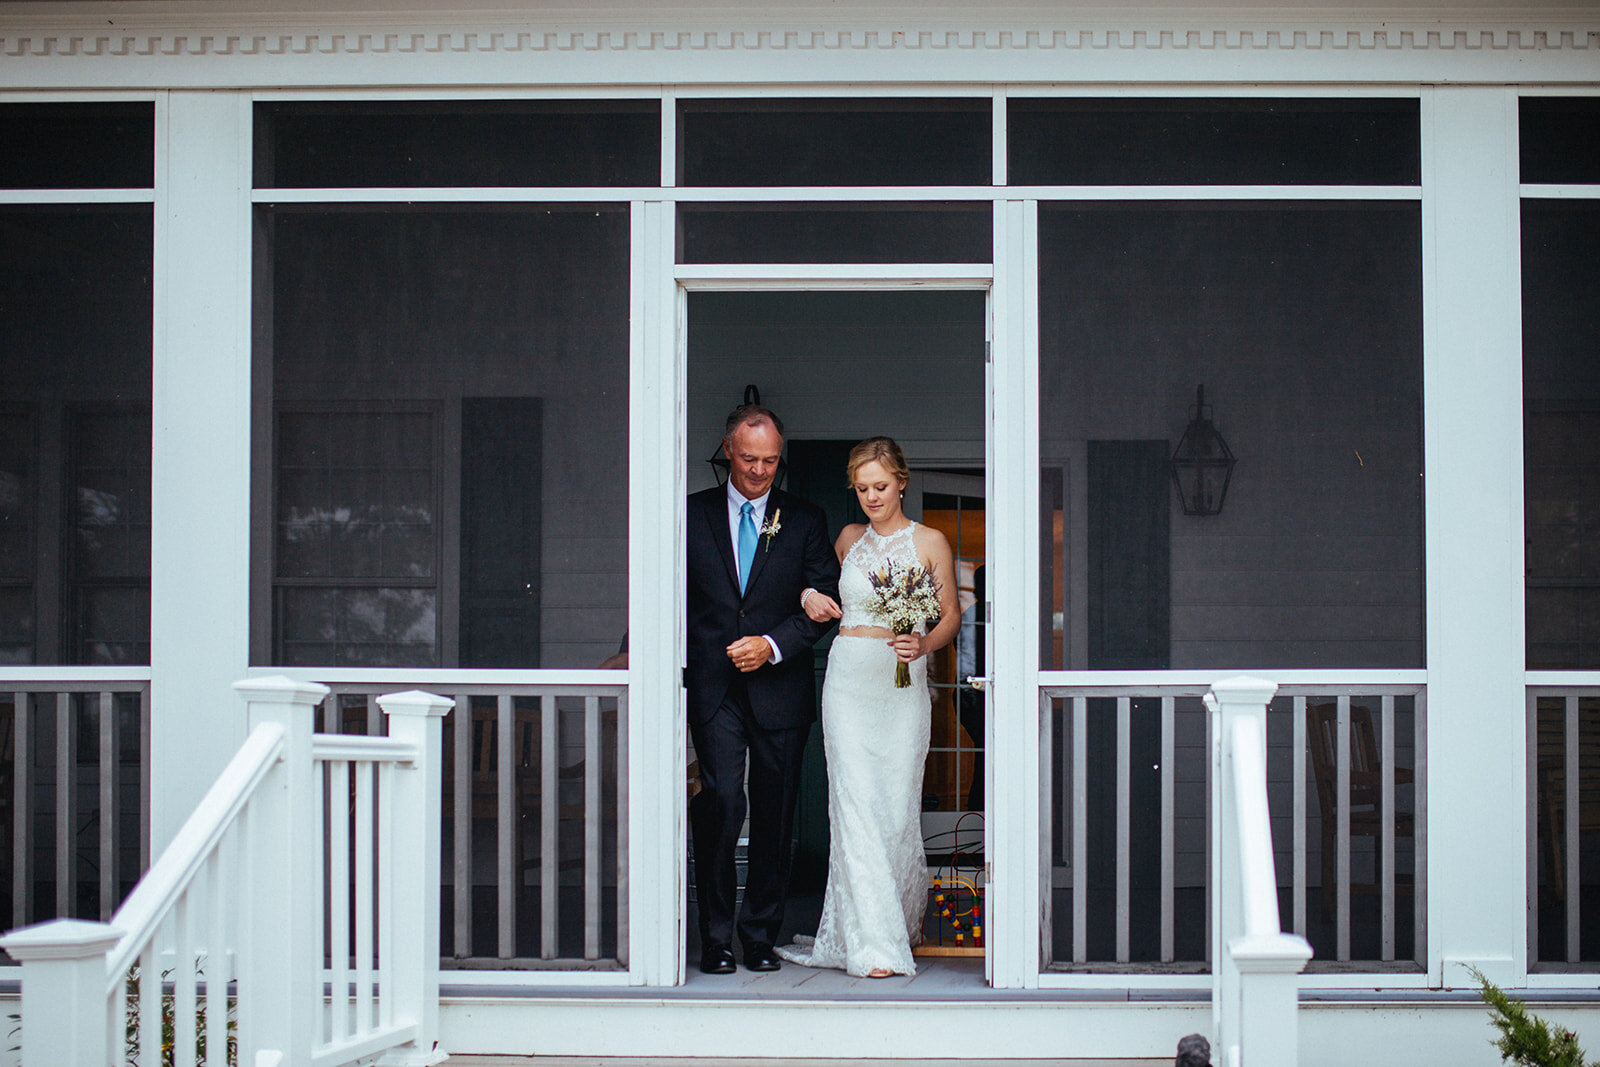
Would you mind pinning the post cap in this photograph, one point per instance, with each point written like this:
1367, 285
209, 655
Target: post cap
1270, 953
1243, 689
281, 689
415, 702
61, 939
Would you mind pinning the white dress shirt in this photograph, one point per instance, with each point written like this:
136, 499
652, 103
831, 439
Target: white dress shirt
758, 515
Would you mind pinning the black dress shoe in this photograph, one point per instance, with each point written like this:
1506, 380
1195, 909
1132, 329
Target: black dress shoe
716, 959
760, 957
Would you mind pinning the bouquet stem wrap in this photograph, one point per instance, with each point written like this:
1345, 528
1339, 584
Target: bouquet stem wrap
902, 670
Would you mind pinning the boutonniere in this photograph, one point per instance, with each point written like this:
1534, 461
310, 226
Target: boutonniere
770, 530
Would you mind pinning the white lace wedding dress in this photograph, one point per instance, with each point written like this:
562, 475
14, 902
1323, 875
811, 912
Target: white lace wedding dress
876, 740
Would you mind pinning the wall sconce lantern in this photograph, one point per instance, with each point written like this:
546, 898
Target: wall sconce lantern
1202, 464
719, 462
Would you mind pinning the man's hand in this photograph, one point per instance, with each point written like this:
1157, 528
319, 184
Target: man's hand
749, 653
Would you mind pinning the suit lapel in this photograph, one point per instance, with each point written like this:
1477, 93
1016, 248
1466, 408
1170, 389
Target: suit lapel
716, 513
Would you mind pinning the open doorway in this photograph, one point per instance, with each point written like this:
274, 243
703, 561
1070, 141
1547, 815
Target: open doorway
839, 365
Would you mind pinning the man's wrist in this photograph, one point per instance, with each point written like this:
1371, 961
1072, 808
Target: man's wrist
777, 654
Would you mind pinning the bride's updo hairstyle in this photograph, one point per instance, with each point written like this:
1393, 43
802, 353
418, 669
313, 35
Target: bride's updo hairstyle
884, 451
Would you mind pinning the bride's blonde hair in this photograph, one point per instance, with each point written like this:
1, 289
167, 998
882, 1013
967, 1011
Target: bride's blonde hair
882, 450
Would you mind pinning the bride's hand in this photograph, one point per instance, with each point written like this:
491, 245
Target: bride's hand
907, 647
820, 607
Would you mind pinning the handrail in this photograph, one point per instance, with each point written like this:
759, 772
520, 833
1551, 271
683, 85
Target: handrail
1257, 866
358, 748
177, 866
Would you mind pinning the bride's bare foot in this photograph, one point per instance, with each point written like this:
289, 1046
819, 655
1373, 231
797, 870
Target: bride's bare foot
880, 972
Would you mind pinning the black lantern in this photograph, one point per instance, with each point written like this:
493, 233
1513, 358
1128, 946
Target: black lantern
719, 460
1202, 464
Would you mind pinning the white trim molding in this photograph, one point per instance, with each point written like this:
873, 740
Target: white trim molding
624, 42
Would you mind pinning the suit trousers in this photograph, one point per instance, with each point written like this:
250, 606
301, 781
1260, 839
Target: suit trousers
722, 744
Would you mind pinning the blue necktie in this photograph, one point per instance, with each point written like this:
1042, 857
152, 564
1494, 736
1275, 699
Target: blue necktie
747, 543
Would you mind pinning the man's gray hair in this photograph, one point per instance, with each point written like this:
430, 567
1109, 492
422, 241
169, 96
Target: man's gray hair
751, 415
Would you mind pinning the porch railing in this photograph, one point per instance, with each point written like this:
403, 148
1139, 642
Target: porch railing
237, 901
535, 807
1346, 764
77, 800
1563, 813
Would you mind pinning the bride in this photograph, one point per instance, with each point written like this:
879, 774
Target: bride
875, 736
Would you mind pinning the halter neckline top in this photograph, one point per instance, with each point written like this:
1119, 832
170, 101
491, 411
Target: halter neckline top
870, 550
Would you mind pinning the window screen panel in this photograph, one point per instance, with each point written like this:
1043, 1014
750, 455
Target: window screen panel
77, 146
1561, 428
836, 233
881, 141
75, 359
1234, 141
1316, 558
460, 143
1560, 139
497, 535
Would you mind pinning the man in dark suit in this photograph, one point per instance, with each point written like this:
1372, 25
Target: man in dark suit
753, 552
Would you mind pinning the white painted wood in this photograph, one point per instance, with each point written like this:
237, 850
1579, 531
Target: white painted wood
66, 806
21, 788
338, 911
549, 824
657, 753
1080, 829
593, 816
63, 990
106, 825
508, 876
279, 1007
1386, 770
1342, 834
199, 607
461, 827
72, 679
410, 994
1014, 797
807, 276
1299, 754
772, 47
365, 895
1570, 825
1473, 500
77, 196
1168, 757
1124, 728
1531, 783
1254, 1000
1559, 192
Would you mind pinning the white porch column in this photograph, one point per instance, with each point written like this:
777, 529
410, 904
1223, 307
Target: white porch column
200, 481
1015, 898
1472, 400
657, 737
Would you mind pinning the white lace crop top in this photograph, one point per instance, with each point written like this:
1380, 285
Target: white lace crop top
869, 551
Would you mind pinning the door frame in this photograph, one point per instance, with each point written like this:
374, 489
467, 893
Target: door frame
1018, 929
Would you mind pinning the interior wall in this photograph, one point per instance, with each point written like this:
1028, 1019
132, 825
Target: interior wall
842, 365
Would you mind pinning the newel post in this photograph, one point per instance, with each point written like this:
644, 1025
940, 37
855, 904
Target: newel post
410, 839
1228, 701
65, 1002
280, 974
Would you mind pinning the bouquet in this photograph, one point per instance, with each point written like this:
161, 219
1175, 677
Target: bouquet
903, 594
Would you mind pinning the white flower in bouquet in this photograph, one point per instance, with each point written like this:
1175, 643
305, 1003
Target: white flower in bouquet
903, 595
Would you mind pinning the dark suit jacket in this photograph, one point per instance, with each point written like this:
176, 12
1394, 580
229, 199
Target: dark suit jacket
782, 695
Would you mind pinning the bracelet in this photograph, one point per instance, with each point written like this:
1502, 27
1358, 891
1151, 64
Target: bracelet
805, 596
